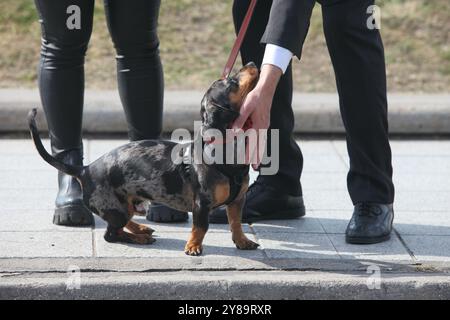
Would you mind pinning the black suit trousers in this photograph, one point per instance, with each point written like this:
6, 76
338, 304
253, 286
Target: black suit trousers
357, 55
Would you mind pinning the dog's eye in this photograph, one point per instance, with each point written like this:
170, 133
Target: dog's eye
234, 82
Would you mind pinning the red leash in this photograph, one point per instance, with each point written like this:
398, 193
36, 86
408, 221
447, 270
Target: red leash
240, 37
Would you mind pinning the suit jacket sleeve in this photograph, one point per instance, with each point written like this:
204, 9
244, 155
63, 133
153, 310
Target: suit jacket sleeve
288, 24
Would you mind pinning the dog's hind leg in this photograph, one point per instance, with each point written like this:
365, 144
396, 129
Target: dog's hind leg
138, 228
120, 235
117, 220
135, 227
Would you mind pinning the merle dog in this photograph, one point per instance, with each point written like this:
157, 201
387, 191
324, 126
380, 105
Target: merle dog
115, 183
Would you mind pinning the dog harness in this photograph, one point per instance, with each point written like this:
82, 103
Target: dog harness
235, 177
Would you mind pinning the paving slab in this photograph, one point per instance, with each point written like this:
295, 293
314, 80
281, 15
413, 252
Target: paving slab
430, 164
162, 228
332, 221
422, 223
96, 148
16, 199
33, 220
420, 147
391, 250
297, 245
20, 147
318, 181
408, 148
315, 242
316, 147
45, 244
327, 200
28, 179
323, 163
429, 248
171, 245
31, 162
306, 224
423, 182
422, 201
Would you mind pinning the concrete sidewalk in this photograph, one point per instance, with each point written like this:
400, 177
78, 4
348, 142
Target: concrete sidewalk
305, 258
316, 113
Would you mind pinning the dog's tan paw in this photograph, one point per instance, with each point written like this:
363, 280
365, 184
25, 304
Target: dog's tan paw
246, 244
145, 230
144, 239
193, 249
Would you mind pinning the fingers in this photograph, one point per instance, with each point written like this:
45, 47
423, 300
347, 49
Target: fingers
262, 142
259, 149
239, 122
245, 112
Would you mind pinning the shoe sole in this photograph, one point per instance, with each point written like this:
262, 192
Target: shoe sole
282, 215
73, 215
364, 240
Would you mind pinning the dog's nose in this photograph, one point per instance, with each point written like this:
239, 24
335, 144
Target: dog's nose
251, 64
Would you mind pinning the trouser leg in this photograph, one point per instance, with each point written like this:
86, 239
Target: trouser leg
282, 118
133, 27
66, 30
358, 58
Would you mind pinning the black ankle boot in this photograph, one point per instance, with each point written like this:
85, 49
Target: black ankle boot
69, 207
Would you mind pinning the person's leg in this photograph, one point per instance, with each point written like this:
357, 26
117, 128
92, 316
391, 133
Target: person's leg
66, 29
276, 196
282, 116
133, 27
357, 55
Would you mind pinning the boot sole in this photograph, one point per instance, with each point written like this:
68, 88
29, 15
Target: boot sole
73, 215
365, 240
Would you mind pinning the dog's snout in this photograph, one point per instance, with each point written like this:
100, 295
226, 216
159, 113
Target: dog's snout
251, 64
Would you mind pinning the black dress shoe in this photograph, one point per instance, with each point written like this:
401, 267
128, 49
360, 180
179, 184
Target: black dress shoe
70, 209
161, 213
370, 223
264, 202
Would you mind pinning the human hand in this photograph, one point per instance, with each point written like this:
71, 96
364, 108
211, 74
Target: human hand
256, 109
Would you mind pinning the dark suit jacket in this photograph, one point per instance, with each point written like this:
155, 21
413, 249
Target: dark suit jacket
288, 24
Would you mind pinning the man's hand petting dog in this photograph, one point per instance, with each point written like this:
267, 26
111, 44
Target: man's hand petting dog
115, 184
256, 107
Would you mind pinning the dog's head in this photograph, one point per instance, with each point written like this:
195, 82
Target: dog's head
221, 104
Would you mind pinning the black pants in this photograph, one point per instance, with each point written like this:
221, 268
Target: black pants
357, 55
133, 28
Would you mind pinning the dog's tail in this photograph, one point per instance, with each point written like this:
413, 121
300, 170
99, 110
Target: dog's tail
75, 171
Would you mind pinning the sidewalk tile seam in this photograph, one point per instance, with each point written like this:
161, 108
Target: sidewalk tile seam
335, 249
258, 240
94, 243
341, 157
403, 242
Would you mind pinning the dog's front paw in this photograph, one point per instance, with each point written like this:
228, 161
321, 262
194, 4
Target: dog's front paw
245, 244
193, 249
